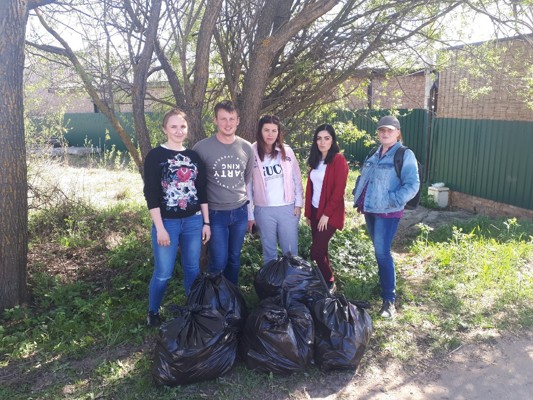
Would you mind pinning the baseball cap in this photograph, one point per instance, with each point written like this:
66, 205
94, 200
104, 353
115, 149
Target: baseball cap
389, 121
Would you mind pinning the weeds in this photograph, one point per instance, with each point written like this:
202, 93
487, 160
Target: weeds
90, 266
482, 273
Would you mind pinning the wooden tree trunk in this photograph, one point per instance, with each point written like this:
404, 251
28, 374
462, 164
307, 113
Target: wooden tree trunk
253, 88
140, 76
273, 33
13, 172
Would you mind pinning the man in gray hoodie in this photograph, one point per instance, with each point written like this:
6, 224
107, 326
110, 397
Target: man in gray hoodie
229, 161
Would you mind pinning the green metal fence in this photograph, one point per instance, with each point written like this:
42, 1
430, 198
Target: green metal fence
414, 125
86, 129
484, 158
95, 129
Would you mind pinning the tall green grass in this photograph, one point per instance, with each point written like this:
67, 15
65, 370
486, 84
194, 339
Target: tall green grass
83, 335
481, 271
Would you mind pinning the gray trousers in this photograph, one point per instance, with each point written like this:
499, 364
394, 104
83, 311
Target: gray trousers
277, 223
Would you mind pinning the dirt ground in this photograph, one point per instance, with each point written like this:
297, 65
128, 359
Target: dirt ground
495, 371
501, 369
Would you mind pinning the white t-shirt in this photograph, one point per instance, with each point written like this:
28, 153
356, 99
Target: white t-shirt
317, 177
273, 175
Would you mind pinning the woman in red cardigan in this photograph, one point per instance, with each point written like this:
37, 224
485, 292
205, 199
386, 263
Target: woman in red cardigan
324, 196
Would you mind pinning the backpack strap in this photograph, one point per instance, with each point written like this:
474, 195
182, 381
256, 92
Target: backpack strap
398, 160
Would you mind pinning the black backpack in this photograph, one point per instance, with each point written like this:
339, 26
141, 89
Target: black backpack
398, 164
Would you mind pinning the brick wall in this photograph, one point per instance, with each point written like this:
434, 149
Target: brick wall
409, 91
487, 207
50, 89
47, 100
493, 92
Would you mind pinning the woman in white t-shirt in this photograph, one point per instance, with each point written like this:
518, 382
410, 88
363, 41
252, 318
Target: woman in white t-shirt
324, 196
275, 191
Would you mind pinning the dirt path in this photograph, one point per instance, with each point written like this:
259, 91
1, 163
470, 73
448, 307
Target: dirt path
496, 371
501, 369
408, 229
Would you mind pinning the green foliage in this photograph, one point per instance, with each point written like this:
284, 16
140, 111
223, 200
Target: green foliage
527, 88
481, 272
252, 261
348, 132
153, 124
427, 200
352, 256
99, 306
111, 158
350, 185
39, 130
90, 267
68, 222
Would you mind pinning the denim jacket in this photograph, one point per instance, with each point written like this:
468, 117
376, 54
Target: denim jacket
386, 192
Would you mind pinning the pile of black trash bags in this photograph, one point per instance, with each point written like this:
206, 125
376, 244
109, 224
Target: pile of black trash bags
298, 323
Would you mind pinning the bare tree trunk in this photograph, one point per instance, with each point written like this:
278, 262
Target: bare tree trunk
201, 68
250, 104
13, 170
140, 79
190, 96
272, 35
13, 175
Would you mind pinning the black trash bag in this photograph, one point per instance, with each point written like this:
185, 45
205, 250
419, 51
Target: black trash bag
278, 338
195, 346
215, 290
342, 333
292, 273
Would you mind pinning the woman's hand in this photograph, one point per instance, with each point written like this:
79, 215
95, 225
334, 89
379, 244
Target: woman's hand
206, 234
163, 238
323, 223
251, 224
298, 211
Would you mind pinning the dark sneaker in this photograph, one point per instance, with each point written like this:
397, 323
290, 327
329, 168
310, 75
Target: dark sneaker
387, 309
153, 320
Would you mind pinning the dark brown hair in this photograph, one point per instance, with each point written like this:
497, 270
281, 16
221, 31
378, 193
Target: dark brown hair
226, 105
269, 119
314, 155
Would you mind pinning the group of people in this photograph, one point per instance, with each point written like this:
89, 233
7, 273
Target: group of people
225, 186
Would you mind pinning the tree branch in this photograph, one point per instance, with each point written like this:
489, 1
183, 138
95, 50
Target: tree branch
102, 106
48, 48
32, 4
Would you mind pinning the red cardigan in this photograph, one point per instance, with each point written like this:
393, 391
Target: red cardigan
332, 195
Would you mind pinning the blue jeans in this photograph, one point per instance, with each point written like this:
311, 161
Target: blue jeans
187, 234
382, 231
228, 228
276, 223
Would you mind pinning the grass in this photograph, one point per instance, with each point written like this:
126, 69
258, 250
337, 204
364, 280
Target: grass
83, 335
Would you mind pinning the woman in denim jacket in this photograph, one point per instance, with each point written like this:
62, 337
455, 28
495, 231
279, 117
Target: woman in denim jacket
381, 196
